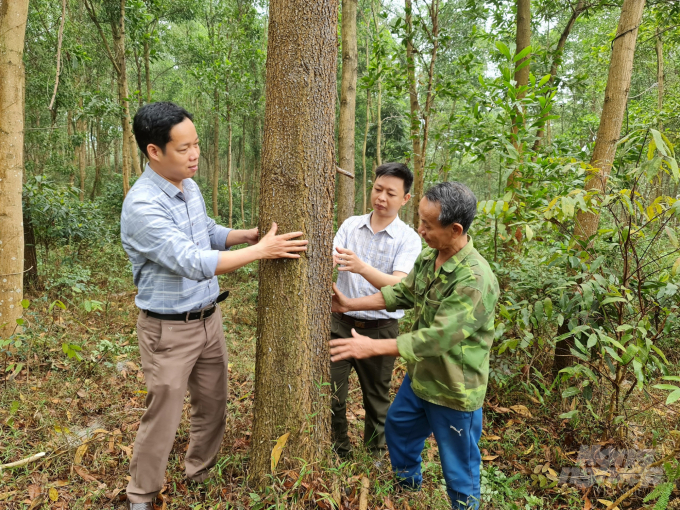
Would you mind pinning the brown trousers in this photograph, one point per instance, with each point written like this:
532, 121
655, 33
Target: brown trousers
176, 355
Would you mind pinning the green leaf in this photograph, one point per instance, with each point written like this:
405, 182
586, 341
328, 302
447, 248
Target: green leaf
592, 340
548, 307
529, 232
569, 415
522, 54
676, 265
570, 392
503, 49
673, 397
25, 303
20, 321
637, 368
672, 378
671, 235
613, 354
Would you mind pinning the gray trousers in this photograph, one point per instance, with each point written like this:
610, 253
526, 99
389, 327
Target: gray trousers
178, 355
375, 376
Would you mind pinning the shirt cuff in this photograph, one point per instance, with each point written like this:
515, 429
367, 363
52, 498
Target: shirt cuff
405, 346
390, 298
209, 260
221, 234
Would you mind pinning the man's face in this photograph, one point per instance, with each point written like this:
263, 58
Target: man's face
431, 230
387, 195
180, 159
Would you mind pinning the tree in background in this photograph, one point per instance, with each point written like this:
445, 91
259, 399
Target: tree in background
298, 174
13, 17
348, 97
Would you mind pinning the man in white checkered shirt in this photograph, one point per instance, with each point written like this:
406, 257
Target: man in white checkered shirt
371, 252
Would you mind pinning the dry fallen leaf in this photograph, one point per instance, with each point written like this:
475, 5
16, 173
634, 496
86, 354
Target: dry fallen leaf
54, 494
607, 503
529, 450
33, 491
493, 438
80, 453
84, 474
587, 504
489, 457
521, 410
278, 449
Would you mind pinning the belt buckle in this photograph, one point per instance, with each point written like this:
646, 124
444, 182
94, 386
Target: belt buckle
360, 324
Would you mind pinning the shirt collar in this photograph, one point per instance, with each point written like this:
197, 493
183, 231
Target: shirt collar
166, 186
453, 262
389, 229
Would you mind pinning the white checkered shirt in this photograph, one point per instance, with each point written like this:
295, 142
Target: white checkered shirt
172, 243
393, 249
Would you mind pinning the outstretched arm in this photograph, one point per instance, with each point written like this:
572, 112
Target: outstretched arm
343, 304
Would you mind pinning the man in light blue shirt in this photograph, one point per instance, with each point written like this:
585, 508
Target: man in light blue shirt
177, 251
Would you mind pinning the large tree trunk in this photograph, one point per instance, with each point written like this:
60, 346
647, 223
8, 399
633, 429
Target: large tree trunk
13, 16
216, 154
348, 99
611, 120
298, 175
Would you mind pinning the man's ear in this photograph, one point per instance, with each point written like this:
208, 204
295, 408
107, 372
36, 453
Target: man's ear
457, 230
407, 197
154, 151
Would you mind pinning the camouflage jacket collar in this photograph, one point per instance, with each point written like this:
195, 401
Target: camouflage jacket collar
450, 265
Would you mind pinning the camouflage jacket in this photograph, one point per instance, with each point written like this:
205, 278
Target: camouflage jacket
447, 350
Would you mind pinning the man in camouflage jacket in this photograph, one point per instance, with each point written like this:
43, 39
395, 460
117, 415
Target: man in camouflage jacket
453, 293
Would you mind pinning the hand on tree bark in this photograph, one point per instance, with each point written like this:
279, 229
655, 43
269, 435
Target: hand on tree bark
339, 302
281, 247
347, 260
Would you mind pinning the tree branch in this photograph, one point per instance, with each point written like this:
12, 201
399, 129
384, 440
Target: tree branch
93, 16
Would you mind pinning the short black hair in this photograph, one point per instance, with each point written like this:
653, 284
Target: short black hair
399, 170
154, 121
458, 203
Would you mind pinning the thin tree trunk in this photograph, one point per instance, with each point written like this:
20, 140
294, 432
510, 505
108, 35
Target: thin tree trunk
557, 60
363, 152
80, 129
69, 132
13, 17
611, 120
348, 99
147, 71
522, 69
415, 111
98, 154
216, 154
229, 171
298, 175
659, 75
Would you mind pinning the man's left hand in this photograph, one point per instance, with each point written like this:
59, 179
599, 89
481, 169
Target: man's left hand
347, 260
357, 347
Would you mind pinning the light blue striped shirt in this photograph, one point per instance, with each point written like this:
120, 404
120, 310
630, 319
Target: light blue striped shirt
394, 248
172, 243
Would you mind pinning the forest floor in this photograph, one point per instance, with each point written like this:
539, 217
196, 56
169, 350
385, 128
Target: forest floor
85, 413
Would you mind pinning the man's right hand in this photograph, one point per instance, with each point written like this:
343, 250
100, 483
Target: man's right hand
272, 246
340, 302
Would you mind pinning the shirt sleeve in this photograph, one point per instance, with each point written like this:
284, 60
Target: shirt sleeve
458, 317
408, 253
149, 230
340, 238
401, 296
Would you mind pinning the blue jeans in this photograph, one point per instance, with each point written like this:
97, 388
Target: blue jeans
411, 420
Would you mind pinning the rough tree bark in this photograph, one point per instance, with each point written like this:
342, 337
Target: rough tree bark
13, 15
216, 153
611, 120
298, 176
348, 99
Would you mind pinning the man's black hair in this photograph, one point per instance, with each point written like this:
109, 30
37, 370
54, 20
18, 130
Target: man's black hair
154, 121
399, 170
458, 203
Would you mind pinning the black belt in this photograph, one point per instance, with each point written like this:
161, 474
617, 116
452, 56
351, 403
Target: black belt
378, 323
190, 316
